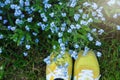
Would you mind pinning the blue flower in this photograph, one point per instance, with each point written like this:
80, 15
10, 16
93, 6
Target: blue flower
74, 55
72, 3
9, 27
25, 54
59, 40
52, 24
94, 6
63, 14
28, 47
60, 34
54, 47
0, 17
94, 30
72, 26
90, 38
22, 39
86, 4
43, 26
2, 4
36, 40
45, 19
63, 48
62, 52
59, 56
82, 22
76, 17
70, 52
98, 43
22, 16
45, 1
63, 24
29, 19
78, 26
34, 33
94, 13
7, 2
62, 45
18, 21
111, 2
76, 46
90, 20
86, 49
47, 5
47, 60
99, 54
27, 9
21, 2
62, 28
39, 24
49, 36
1, 36
17, 12
51, 14
17, 7
27, 3
42, 15
5, 21
80, 10
69, 30
100, 31
12, 6
27, 28
13, 28
85, 16
118, 27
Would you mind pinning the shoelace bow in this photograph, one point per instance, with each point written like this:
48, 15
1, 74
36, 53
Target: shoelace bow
86, 75
60, 72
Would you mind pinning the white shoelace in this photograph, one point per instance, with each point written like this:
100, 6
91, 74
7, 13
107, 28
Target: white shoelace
87, 75
59, 72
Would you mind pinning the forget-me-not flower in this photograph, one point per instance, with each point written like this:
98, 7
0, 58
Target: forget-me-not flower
51, 14
118, 27
1, 36
27, 46
0, 17
63, 14
99, 54
98, 43
25, 54
29, 19
27, 28
100, 31
76, 17
36, 40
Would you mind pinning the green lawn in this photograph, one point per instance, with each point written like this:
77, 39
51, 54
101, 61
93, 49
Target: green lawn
33, 67
16, 67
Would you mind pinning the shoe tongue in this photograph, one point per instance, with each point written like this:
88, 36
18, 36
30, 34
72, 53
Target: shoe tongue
58, 79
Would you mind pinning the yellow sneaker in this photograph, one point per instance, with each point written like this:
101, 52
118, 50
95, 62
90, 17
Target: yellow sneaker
59, 68
86, 67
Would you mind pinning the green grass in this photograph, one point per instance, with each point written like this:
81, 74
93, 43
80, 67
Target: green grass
109, 62
33, 67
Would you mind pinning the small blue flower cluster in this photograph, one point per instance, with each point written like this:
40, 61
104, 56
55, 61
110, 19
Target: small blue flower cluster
58, 22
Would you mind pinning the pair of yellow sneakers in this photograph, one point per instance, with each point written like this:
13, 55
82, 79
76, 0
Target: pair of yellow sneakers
86, 67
